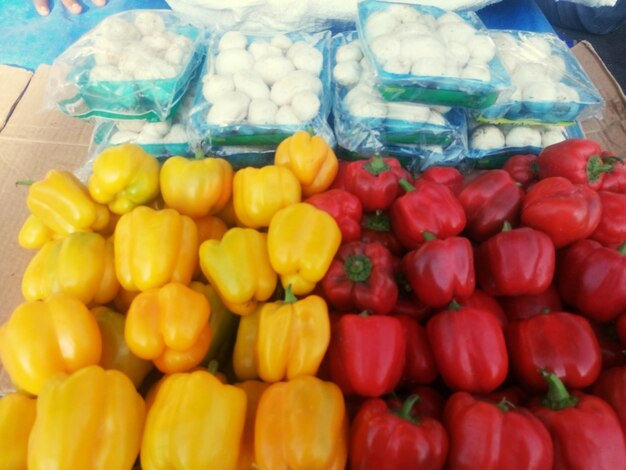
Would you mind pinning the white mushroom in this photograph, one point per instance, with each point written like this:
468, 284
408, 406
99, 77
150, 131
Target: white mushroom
131, 125
404, 13
251, 83
273, 68
552, 135
232, 61
119, 29
148, 22
408, 112
285, 116
539, 91
460, 52
294, 82
566, 94
157, 41
436, 118
398, 65
419, 47
262, 112
157, 129
281, 41
107, 51
456, 31
347, 73
216, 85
233, 40
379, 23
308, 59
155, 69
527, 73
305, 105
107, 73
260, 48
486, 138
295, 47
556, 67
523, 136
348, 52
177, 134
231, 107
476, 72
371, 109
429, 67
385, 47
123, 137
481, 47
177, 55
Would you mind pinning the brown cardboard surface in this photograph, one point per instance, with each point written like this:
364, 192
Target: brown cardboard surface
609, 128
32, 142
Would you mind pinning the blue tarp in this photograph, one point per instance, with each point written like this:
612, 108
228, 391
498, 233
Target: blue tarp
28, 40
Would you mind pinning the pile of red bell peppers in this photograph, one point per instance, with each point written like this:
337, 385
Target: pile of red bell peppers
479, 319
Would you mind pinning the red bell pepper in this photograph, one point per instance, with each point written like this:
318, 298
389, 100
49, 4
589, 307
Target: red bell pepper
519, 307
340, 179
376, 228
445, 175
611, 350
561, 342
395, 439
342, 206
361, 278
585, 430
615, 181
427, 207
489, 200
482, 300
522, 168
407, 304
485, 435
515, 262
612, 227
440, 270
430, 402
375, 181
366, 354
592, 278
419, 366
469, 349
578, 160
620, 328
611, 387
567, 212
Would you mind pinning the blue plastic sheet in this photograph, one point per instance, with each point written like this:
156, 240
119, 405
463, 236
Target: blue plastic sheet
29, 40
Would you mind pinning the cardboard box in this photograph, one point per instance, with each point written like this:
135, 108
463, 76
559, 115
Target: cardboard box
33, 141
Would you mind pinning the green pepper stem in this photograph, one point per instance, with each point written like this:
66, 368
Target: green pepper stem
622, 249
358, 268
198, 154
24, 182
505, 405
406, 185
290, 298
376, 165
454, 305
405, 411
558, 397
595, 167
428, 236
213, 366
378, 221
506, 226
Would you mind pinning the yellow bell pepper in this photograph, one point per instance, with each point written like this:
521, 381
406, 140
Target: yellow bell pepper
196, 187
291, 339
227, 214
223, 325
34, 234
302, 241
17, 415
209, 227
311, 159
258, 193
115, 352
43, 338
124, 177
81, 265
301, 424
239, 269
194, 422
124, 298
92, 419
62, 203
154, 247
254, 390
170, 326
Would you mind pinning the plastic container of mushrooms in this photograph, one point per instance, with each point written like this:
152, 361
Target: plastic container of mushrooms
364, 121
134, 65
256, 90
549, 85
502, 140
428, 55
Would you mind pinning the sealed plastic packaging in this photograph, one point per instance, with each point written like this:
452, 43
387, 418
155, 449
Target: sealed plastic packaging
428, 55
549, 84
365, 122
134, 65
494, 141
256, 90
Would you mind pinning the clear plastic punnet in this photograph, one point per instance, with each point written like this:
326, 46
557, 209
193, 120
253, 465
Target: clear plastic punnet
500, 140
134, 65
428, 55
256, 90
365, 122
549, 84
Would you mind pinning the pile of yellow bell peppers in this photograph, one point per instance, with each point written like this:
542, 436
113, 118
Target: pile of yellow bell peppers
147, 276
